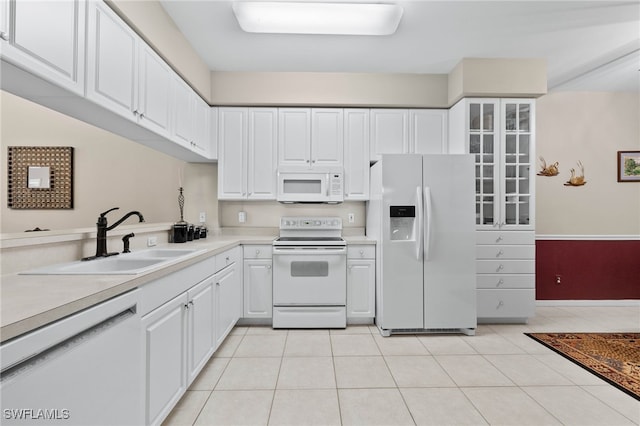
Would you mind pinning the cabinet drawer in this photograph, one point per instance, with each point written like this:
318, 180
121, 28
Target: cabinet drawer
505, 237
512, 303
228, 257
506, 281
505, 266
361, 251
262, 251
505, 252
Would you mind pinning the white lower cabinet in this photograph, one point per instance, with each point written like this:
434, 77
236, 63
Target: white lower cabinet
505, 268
258, 281
228, 308
361, 283
165, 338
181, 331
178, 341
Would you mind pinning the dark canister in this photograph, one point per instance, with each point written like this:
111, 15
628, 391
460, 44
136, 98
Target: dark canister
190, 231
180, 232
196, 233
203, 232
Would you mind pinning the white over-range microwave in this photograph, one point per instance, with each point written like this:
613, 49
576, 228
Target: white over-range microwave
310, 186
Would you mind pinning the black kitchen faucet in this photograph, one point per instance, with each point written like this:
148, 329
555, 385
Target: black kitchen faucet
101, 240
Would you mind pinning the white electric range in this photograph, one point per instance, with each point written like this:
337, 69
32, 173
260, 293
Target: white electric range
310, 273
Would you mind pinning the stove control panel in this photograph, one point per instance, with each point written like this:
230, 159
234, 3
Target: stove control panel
319, 223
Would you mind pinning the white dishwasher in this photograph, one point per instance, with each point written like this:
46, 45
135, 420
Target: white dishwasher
85, 369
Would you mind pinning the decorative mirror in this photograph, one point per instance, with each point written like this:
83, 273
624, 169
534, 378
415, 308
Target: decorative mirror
40, 177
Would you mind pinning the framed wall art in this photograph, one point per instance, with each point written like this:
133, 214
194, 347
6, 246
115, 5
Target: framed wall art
40, 177
628, 166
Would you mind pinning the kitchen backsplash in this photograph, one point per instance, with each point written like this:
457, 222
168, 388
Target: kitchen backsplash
266, 214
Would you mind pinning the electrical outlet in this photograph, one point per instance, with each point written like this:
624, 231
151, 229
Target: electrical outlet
242, 217
152, 241
203, 217
558, 279
352, 218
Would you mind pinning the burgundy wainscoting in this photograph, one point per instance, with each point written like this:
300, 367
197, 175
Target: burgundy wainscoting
588, 269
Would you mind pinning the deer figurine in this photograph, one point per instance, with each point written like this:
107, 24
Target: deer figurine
551, 170
577, 180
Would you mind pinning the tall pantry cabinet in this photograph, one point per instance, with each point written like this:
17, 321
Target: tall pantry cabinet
500, 133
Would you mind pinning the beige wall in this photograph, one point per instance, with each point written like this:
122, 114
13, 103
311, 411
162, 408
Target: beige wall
109, 171
329, 89
588, 127
266, 214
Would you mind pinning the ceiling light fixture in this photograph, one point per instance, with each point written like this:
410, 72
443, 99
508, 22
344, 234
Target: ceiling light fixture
318, 18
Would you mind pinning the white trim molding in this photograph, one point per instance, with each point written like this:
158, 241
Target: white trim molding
587, 237
590, 303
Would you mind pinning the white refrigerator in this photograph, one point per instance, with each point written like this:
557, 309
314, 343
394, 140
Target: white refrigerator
422, 213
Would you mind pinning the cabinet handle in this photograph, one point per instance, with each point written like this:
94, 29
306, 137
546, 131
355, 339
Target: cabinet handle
500, 253
218, 284
257, 252
4, 36
500, 282
361, 253
307, 161
499, 239
227, 259
500, 304
500, 268
186, 306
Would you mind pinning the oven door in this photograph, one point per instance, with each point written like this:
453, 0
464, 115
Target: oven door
309, 276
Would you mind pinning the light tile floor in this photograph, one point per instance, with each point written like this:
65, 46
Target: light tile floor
499, 376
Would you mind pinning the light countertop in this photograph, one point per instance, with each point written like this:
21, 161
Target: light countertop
31, 301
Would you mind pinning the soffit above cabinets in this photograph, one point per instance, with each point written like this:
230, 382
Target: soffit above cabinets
587, 45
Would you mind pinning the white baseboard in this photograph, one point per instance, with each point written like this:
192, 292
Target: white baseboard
594, 303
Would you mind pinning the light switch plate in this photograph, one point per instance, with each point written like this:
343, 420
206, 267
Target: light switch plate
152, 241
203, 217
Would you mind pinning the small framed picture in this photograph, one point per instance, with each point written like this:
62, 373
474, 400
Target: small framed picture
628, 166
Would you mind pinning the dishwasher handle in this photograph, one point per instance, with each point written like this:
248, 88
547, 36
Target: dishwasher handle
313, 251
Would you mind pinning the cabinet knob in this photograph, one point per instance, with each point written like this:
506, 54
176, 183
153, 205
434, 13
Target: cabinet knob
500, 282
500, 253
218, 284
257, 252
4, 36
227, 259
362, 253
268, 266
500, 268
499, 239
500, 304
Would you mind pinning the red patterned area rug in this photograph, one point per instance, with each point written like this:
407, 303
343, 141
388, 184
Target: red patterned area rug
614, 357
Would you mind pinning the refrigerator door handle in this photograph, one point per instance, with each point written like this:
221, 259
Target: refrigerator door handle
420, 225
427, 235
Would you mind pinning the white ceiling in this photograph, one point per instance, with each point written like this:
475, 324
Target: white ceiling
588, 45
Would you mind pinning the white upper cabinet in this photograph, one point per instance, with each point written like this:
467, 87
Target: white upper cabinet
191, 119
47, 39
356, 154
310, 138
408, 131
389, 132
247, 141
294, 137
262, 153
232, 151
112, 61
327, 137
154, 91
428, 131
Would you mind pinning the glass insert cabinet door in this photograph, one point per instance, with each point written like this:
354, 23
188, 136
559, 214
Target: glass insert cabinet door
501, 138
517, 168
483, 144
